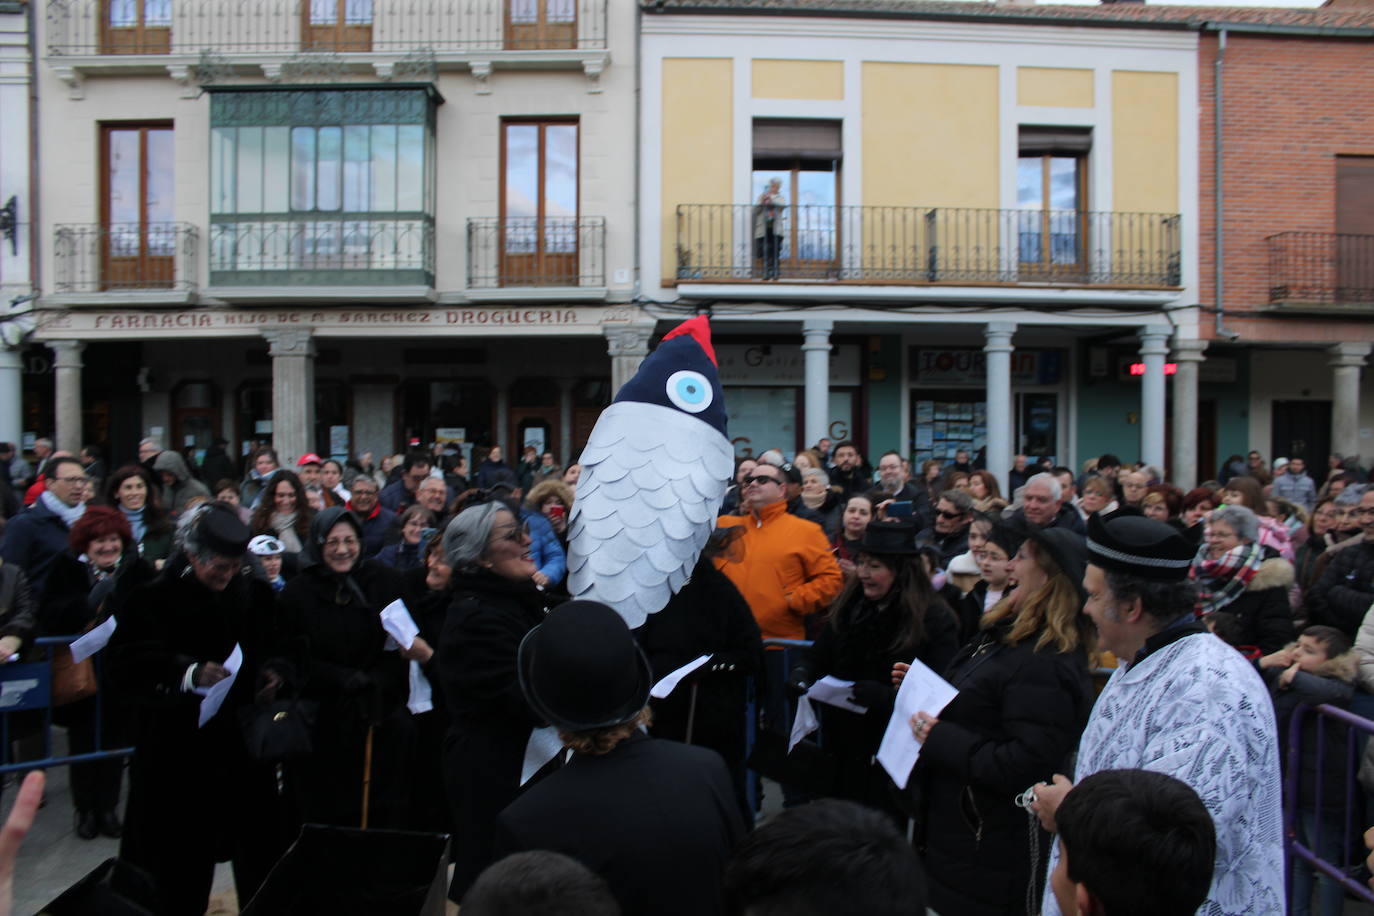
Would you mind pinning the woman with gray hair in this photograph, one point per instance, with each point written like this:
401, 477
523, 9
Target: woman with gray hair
817, 496
495, 603
1243, 585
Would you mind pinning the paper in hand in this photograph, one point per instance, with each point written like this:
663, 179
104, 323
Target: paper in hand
90, 643
830, 690
398, 623
213, 696
669, 683
421, 693
922, 690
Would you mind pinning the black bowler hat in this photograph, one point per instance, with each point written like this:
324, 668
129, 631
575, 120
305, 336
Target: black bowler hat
222, 533
894, 537
582, 669
1069, 551
1141, 547
790, 472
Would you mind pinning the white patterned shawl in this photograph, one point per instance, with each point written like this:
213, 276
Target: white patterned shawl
1198, 711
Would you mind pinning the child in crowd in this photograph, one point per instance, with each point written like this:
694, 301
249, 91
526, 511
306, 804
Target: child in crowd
268, 551
1319, 668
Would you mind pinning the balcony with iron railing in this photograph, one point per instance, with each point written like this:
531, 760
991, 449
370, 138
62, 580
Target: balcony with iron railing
343, 256
275, 35
1321, 271
723, 243
565, 256
154, 262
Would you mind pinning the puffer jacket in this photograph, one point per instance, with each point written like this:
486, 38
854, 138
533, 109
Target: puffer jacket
1262, 610
1341, 597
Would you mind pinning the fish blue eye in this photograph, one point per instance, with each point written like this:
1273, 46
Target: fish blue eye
690, 391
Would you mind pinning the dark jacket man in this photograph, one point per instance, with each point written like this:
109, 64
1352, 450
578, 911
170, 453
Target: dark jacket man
1343, 594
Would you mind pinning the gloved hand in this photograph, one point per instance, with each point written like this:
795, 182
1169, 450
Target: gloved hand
870, 694
799, 681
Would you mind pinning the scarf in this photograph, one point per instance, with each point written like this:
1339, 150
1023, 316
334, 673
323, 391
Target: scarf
284, 523
68, 514
1224, 579
135, 519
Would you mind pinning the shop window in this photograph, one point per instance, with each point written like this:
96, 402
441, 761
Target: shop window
805, 156
1051, 197
541, 24
137, 235
464, 408
337, 25
195, 418
135, 26
539, 203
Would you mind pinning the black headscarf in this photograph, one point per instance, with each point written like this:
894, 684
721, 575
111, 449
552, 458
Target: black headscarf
312, 553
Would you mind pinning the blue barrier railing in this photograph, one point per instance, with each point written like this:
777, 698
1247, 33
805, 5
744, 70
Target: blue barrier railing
26, 687
1296, 803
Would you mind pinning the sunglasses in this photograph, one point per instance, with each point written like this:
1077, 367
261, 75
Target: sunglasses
761, 478
944, 513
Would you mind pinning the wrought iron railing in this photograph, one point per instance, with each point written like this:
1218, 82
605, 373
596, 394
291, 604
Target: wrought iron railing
1321, 268
93, 27
920, 245
529, 251
342, 250
94, 258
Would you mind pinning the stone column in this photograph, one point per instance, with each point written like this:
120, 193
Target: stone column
1346, 360
1188, 356
11, 394
67, 377
1000, 428
511, 455
627, 346
293, 392
565, 420
816, 357
1154, 347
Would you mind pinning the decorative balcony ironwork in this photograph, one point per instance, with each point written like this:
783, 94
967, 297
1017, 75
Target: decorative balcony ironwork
125, 257
1324, 270
317, 250
235, 27
529, 251
922, 245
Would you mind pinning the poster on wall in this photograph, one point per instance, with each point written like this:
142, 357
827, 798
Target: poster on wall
338, 443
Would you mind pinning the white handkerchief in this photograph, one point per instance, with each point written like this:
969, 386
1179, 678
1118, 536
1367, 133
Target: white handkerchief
543, 746
90, 643
421, 695
212, 697
670, 682
830, 690
398, 623
803, 723
922, 691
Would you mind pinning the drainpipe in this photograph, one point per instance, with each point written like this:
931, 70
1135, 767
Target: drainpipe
35, 226
637, 267
1218, 282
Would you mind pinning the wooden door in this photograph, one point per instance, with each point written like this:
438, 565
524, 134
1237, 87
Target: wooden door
138, 238
135, 26
1302, 429
336, 25
539, 235
538, 24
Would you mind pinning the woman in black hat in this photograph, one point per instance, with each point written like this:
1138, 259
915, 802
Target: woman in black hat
1024, 698
888, 613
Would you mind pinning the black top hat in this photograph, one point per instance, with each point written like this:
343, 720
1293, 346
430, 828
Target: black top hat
1069, 551
1141, 547
222, 533
582, 669
894, 537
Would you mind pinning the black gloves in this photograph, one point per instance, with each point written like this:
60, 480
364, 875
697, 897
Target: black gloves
871, 694
799, 681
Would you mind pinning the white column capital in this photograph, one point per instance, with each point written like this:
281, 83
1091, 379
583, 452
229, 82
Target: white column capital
1154, 341
998, 335
289, 341
67, 353
1348, 353
628, 340
1189, 351
816, 326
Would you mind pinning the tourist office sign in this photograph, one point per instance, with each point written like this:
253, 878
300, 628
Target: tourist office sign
358, 321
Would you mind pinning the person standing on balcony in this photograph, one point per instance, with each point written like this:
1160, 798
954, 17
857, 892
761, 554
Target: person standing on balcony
768, 215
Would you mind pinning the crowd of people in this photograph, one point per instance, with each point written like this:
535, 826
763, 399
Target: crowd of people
521, 723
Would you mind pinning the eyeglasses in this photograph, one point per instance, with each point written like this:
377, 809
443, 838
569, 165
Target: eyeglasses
760, 478
74, 481
516, 533
1365, 510
340, 543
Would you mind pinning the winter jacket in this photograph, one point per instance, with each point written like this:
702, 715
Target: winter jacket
217, 466
184, 487
950, 545
396, 497
786, 572
17, 607
1332, 683
1341, 597
376, 527
1067, 517
400, 556
32, 541
1298, 489
545, 549
1262, 609
1306, 557
852, 482
1364, 651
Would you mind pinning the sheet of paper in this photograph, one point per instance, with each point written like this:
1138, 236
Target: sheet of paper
398, 623
830, 690
421, 694
666, 686
922, 690
543, 746
212, 697
90, 643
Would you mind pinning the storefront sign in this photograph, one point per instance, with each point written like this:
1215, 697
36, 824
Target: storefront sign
781, 364
968, 366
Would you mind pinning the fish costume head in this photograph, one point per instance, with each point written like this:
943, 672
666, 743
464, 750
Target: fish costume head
654, 473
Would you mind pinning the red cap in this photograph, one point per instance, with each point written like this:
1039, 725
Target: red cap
309, 458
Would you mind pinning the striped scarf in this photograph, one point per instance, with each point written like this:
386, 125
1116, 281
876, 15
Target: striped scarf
1224, 579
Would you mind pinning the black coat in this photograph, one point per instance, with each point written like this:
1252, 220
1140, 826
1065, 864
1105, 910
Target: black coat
33, 539
655, 818
428, 608
18, 610
1067, 517
195, 797
489, 720
708, 617
950, 545
1341, 597
1262, 611
1331, 683
1016, 720
335, 629
858, 647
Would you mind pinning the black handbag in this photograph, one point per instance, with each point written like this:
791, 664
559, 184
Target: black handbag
279, 730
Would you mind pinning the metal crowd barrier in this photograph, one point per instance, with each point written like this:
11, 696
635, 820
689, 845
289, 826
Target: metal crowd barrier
26, 693
1357, 732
